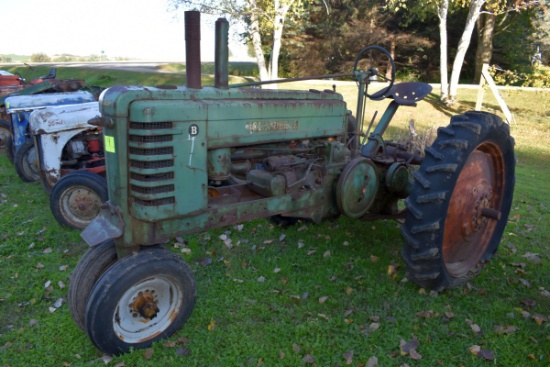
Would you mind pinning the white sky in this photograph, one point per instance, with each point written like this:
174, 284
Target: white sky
143, 29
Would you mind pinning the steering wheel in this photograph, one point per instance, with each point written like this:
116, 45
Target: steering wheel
372, 71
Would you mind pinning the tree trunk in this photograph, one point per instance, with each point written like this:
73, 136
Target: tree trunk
257, 41
485, 34
393, 43
473, 14
443, 9
278, 25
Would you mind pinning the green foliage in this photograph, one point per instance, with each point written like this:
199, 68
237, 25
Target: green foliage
538, 77
40, 57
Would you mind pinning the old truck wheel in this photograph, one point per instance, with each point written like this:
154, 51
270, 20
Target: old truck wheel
26, 162
5, 133
89, 269
459, 205
76, 197
10, 148
142, 298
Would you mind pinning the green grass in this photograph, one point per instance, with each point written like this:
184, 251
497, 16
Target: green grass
240, 320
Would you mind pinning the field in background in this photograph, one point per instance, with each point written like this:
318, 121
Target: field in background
333, 294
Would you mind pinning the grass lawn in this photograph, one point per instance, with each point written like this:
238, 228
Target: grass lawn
333, 294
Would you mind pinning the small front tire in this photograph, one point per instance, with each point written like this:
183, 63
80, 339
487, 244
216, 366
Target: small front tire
87, 272
142, 298
26, 162
76, 198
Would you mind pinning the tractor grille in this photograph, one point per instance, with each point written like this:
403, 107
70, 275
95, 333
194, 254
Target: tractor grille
151, 163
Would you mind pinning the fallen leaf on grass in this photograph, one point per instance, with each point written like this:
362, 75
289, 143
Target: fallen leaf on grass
296, 348
373, 327
63, 267
308, 359
148, 353
499, 329
326, 254
372, 362
525, 282
407, 347
183, 352
323, 299
475, 328
482, 353
348, 356
47, 250
212, 325
426, 314
119, 364
33, 322
529, 303
106, 358
58, 303
540, 319
532, 257
415, 355
545, 293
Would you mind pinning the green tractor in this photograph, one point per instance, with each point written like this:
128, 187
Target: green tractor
186, 159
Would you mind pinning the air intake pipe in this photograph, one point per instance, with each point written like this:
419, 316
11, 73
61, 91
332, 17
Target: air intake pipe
221, 56
193, 49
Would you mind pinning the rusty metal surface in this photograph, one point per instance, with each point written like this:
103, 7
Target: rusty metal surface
193, 49
474, 209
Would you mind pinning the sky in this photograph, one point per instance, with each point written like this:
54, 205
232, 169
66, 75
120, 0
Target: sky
145, 29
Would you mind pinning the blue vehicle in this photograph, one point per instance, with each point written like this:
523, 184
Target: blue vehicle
19, 109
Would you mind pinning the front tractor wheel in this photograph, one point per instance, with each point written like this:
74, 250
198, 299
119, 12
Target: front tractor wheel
142, 298
460, 201
26, 162
76, 198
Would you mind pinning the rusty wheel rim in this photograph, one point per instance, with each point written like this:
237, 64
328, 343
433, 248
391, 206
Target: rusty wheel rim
474, 209
80, 205
147, 309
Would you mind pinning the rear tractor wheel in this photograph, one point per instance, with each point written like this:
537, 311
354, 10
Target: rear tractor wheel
460, 201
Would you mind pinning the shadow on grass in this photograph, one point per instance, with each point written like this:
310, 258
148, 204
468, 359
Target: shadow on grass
459, 107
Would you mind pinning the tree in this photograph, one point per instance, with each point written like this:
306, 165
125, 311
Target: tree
261, 18
40, 57
463, 44
422, 8
496, 16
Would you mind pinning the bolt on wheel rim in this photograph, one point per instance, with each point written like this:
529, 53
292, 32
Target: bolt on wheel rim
147, 309
474, 209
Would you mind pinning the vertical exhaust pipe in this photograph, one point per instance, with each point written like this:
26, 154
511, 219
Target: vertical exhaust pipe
193, 49
221, 77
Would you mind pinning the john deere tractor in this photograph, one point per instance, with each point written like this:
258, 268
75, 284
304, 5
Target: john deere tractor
190, 158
